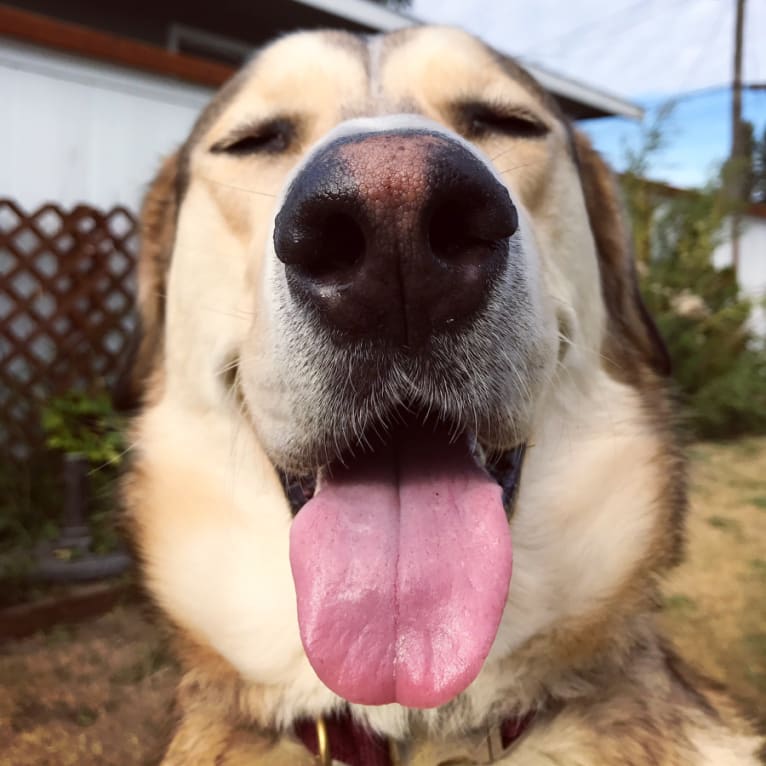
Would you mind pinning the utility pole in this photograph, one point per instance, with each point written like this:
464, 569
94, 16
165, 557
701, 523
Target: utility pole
737, 158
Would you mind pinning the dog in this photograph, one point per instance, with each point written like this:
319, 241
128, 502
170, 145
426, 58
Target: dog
406, 478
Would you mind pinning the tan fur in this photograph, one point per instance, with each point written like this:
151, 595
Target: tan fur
157, 234
620, 288
600, 508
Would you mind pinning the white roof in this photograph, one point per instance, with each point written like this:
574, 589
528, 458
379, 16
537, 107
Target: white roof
578, 91
384, 19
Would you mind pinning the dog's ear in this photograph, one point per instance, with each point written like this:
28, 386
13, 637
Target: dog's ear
157, 231
634, 339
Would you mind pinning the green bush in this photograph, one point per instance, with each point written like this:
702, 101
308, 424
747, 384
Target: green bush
85, 424
719, 364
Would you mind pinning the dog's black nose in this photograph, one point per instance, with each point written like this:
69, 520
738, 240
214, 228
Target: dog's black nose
396, 235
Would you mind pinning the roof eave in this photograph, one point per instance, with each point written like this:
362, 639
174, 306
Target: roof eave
376, 17
601, 102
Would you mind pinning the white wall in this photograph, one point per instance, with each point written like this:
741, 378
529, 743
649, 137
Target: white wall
752, 264
74, 130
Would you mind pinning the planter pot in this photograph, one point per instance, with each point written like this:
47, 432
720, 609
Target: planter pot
69, 558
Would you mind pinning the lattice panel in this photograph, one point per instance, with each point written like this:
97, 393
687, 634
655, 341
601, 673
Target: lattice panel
67, 287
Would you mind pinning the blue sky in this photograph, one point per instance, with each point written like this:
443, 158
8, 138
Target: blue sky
698, 134
644, 50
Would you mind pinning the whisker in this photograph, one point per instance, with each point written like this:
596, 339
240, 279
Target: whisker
114, 460
517, 167
500, 154
234, 396
228, 367
238, 314
238, 188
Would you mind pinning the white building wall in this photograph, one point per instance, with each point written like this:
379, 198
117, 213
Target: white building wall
751, 272
78, 131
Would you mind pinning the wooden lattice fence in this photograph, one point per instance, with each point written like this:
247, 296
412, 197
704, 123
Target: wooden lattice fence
66, 309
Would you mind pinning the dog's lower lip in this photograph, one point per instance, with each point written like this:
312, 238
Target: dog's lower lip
299, 490
505, 469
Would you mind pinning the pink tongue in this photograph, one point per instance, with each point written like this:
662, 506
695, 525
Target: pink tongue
402, 564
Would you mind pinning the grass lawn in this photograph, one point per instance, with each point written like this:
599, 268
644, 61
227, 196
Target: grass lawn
715, 602
100, 693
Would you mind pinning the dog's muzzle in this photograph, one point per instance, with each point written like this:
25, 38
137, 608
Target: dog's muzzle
394, 236
396, 245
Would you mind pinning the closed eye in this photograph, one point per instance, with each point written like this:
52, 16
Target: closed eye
270, 137
479, 120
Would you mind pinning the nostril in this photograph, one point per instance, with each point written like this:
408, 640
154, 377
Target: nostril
449, 232
339, 245
343, 241
469, 228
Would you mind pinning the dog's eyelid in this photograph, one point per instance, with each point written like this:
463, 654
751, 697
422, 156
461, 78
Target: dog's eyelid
479, 118
270, 136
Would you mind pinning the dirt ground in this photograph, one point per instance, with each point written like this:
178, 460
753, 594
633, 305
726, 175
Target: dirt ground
87, 694
101, 692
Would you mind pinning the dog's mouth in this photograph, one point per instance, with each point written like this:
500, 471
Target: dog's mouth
401, 558
504, 467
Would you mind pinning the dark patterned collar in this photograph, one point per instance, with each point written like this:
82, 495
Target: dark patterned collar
340, 740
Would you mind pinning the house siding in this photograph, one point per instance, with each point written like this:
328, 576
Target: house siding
74, 131
751, 272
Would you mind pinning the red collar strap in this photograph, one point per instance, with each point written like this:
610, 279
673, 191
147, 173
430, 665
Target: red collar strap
347, 742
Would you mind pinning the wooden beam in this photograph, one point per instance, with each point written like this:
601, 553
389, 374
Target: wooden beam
737, 160
75, 604
114, 49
